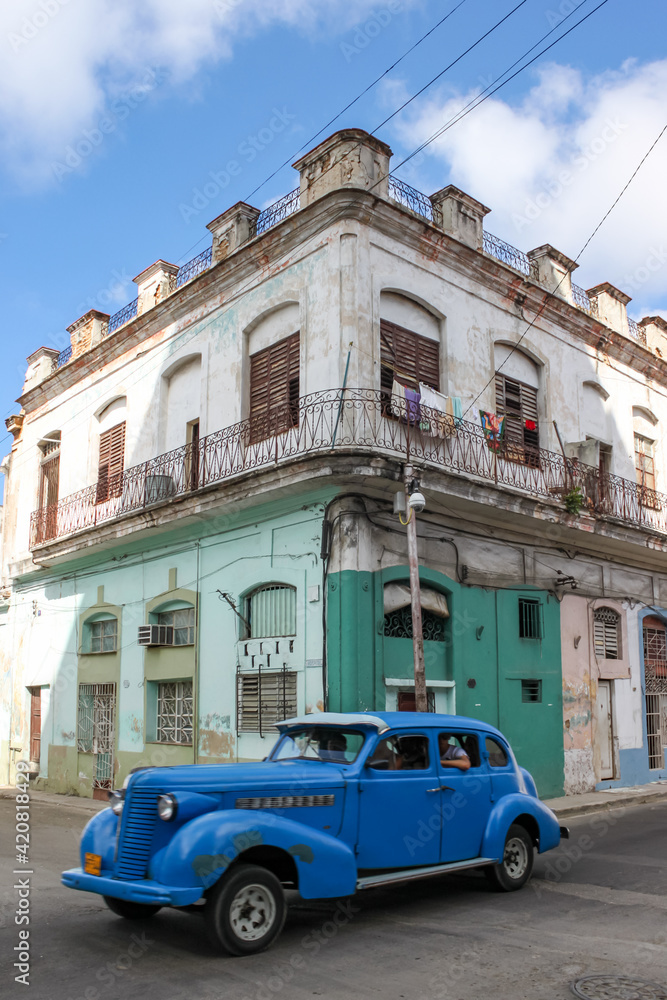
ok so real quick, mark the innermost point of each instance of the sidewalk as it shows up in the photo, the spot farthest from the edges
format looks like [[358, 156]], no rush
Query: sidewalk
[[566, 807]]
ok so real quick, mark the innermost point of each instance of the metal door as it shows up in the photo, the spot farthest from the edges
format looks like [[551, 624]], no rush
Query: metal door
[[605, 730]]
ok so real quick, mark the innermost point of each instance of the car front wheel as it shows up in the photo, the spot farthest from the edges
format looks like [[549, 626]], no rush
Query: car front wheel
[[517, 864], [129, 910], [245, 911]]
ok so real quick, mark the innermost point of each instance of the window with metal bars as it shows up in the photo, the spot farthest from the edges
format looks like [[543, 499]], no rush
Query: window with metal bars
[[530, 619], [517, 402], [111, 463], [607, 634], [174, 712], [655, 653], [531, 691], [274, 388], [270, 611], [265, 698], [182, 620], [95, 723], [407, 357]]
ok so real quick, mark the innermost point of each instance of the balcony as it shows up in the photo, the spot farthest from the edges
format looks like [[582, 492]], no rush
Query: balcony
[[349, 421]]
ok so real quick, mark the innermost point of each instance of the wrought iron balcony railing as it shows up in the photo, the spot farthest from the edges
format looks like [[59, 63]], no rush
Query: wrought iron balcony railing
[[352, 420], [62, 358], [123, 316], [280, 210], [410, 198], [507, 254], [200, 263]]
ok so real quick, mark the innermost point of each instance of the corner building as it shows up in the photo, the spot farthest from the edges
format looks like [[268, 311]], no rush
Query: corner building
[[199, 527]]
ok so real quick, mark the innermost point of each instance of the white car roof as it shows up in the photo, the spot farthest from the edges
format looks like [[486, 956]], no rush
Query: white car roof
[[336, 719]]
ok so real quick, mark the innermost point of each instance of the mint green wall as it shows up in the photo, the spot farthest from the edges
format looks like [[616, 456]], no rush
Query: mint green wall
[[482, 644]]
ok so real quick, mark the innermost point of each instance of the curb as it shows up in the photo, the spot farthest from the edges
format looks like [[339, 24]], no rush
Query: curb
[[573, 810], [79, 803]]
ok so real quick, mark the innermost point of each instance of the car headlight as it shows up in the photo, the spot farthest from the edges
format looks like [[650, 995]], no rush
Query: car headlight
[[116, 801], [167, 807]]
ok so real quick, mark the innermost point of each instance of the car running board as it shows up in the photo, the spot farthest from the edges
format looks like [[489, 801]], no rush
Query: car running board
[[410, 874]]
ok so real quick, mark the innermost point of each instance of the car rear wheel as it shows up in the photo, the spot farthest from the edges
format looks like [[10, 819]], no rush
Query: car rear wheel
[[129, 910], [517, 864], [245, 911]]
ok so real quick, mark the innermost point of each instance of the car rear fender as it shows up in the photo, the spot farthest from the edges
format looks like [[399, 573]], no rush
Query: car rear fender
[[530, 813], [202, 850]]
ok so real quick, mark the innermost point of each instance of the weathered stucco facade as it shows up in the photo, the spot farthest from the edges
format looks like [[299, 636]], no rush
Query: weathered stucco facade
[[221, 459]]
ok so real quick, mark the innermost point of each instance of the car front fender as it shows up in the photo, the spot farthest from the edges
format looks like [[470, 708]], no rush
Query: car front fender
[[201, 851], [509, 810], [99, 837]]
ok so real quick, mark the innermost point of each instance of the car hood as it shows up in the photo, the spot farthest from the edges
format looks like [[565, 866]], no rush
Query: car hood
[[291, 775]]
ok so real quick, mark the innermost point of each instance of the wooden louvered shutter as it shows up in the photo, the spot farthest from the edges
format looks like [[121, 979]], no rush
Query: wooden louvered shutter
[[518, 403], [264, 699], [606, 634], [111, 463], [274, 388], [408, 357]]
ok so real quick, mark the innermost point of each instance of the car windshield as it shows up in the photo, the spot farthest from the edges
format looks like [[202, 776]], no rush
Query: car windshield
[[341, 746]]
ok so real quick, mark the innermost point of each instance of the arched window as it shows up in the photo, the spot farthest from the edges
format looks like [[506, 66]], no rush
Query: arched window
[[100, 634], [270, 611], [516, 400], [607, 634], [111, 460], [398, 612]]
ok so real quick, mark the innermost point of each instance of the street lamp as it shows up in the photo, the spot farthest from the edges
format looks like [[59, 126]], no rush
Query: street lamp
[[415, 504]]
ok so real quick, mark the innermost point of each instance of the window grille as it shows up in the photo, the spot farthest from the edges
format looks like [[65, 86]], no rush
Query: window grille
[[398, 625], [264, 699], [111, 463], [274, 388], [103, 636], [530, 619], [531, 691], [607, 634], [95, 729], [407, 357], [407, 701], [655, 680], [271, 611], [182, 620], [518, 403], [174, 712]]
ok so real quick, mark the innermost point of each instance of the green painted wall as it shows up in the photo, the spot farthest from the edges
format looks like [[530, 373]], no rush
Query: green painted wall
[[482, 653]]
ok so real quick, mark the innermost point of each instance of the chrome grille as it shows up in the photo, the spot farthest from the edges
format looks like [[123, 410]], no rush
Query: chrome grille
[[139, 821]]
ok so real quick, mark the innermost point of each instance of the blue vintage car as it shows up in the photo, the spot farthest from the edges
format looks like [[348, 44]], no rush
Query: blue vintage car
[[342, 803]]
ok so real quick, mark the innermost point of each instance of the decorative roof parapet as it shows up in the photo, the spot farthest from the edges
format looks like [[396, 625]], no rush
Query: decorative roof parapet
[[553, 270], [233, 228], [460, 215], [611, 306], [87, 331], [155, 284], [351, 158], [40, 366], [654, 329]]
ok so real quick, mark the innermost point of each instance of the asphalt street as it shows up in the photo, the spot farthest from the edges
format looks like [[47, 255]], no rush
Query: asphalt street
[[596, 905]]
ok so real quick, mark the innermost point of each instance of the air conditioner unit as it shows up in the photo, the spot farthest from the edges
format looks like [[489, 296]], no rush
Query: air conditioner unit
[[156, 635], [159, 488]]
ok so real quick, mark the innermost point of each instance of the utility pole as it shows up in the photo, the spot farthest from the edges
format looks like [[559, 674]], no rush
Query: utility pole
[[421, 703]]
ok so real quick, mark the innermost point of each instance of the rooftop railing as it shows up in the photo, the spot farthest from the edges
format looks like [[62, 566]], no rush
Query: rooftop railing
[[62, 358], [200, 263], [636, 331], [506, 253], [280, 210], [363, 421], [123, 316], [410, 198], [583, 301]]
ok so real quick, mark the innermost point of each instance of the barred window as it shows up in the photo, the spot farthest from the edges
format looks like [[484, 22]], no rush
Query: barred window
[[517, 402], [182, 620], [174, 712], [95, 718], [530, 619], [408, 358], [274, 388], [607, 634], [264, 699], [270, 611]]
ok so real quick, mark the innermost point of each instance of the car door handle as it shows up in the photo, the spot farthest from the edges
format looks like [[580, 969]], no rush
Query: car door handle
[[441, 788]]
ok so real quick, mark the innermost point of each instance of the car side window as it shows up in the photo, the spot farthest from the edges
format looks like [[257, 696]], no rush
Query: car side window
[[497, 753], [401, 753], [450, 743]]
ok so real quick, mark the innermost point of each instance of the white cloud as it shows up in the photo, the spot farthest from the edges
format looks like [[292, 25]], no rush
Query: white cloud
[[552, 163], [64, 62]]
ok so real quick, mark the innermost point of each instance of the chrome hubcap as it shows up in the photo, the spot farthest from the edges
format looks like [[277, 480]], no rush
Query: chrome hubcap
[[252, 912], [515, 859]]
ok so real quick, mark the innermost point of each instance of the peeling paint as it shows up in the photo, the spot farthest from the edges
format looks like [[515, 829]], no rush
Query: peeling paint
[[216, 744]]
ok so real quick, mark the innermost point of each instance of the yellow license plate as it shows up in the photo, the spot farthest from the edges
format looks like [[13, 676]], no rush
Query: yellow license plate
[[93, 864]]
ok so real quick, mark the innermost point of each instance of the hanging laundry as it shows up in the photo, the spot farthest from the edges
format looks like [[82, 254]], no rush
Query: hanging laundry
[[398, 406], [457, 410], [493, 427], [412, 400], [438, 410]]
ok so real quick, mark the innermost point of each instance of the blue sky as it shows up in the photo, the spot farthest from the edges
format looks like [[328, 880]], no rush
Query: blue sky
[[118, 120]]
